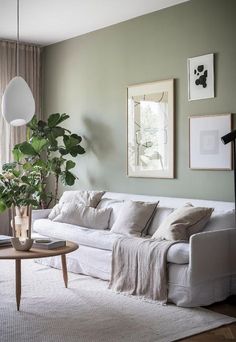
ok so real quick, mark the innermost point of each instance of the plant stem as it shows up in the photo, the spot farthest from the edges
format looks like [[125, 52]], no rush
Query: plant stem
[[56, 189]]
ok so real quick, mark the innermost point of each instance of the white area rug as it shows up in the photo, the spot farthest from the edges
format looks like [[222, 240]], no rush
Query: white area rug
[[88, 311]]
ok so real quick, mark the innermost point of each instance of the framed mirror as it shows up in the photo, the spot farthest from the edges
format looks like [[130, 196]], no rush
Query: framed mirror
[[150, 130]]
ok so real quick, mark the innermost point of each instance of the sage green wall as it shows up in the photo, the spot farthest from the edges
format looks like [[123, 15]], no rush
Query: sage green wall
[[87, 76]]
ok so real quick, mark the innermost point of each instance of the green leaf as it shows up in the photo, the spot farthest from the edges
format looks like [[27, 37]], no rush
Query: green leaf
[[69, 178], [16, 173], [62, 118], [25, 179], [41, 125], [53, 120], [52, 148], [57, 132], [63, 151], [33, 123], [3, 206], [17, 154], [75, 150], [56, 119], [27, 149], [27, 166], [9, 166], [70, 141], [70, 165], [51, 138], [38, 144], [40, 163], [77, 137]]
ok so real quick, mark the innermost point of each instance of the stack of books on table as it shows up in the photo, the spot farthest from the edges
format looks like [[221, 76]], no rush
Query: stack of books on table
[[48, 243], [5, 241]]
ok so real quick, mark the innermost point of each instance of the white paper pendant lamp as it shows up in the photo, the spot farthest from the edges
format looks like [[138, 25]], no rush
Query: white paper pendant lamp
[[18, 105]]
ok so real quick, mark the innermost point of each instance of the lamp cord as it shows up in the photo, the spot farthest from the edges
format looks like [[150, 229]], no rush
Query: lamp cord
[[18, 38]]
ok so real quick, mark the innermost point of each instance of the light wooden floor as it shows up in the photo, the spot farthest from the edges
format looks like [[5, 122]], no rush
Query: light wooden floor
[[225, 333]]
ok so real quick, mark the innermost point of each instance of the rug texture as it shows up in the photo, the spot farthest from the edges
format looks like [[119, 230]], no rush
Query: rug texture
[[88, 311]]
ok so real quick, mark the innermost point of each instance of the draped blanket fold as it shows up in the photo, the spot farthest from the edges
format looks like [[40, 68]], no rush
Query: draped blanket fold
[[139, 267]]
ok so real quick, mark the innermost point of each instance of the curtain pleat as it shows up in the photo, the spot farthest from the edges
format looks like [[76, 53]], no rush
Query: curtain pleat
[[30, 70]]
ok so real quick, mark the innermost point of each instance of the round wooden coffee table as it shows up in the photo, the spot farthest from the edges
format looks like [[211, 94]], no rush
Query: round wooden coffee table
[[9, 253]]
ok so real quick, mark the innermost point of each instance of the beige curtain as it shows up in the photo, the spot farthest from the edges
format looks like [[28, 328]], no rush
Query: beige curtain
[[30, 70]]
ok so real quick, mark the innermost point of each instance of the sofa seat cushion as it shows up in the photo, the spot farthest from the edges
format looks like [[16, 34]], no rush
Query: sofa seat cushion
[[101, 239], [178, 253]]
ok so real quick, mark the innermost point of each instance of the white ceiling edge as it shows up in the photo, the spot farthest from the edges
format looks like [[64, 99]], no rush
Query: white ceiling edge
[[46, 22]]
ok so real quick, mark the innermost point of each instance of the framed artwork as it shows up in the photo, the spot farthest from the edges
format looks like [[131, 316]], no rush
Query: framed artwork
[[201, 77], [150, 130], [206, 150]]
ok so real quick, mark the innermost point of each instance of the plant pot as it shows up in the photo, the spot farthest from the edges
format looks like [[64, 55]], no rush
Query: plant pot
[[21, 227], [21, 245]]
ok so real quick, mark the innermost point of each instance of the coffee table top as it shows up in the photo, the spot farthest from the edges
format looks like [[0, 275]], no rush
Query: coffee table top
[[33, 253]]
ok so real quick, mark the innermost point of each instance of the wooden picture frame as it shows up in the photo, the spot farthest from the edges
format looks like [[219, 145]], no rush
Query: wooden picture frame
[[206, 150], [150, 130]]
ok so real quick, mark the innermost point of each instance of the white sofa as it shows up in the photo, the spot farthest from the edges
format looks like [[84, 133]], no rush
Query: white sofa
[[201, 272]]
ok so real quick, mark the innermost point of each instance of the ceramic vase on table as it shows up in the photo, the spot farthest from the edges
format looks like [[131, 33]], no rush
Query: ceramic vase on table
[[21, 227]]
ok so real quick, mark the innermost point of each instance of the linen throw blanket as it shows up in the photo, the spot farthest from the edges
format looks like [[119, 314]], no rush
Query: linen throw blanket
[[139, 267]]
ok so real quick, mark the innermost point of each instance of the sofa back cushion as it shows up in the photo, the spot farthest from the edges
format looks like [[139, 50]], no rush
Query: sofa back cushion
[[183, 222], [77, 214], [56, 210], [221, 220], [134, 218], [115, 205], [84, 197]]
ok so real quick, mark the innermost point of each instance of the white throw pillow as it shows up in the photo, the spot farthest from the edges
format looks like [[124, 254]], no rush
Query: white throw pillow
[[114, 204], [134, 218], [80, 215], [83, 197], [159, 216], [87, 198], [56, 210], [183, 223]]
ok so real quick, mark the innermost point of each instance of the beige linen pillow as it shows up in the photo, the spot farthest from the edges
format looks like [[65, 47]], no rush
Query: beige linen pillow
[[80, 215], [134, 218], [183, 223]]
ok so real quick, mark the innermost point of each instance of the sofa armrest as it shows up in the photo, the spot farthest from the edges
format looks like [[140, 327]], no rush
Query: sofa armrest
[[212, 255], [40, 214]]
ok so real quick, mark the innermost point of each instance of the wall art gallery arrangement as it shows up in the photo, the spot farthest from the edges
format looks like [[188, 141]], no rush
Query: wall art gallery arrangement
[[150, 125]]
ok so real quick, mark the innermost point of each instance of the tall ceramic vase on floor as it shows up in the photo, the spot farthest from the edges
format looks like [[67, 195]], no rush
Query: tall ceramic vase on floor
[[21, 227]]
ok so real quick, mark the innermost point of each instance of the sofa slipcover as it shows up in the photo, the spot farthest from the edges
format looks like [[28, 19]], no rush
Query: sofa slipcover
[[200, 272]]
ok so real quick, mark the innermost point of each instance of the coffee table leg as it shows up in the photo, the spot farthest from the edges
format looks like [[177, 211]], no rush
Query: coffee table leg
[[18, 283], [64, 269]]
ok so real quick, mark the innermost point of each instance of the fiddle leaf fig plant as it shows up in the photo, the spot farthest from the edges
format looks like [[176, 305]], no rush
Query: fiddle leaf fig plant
[[45, 154]]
